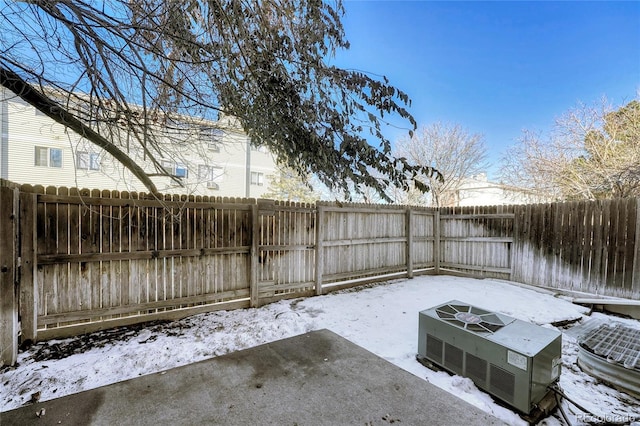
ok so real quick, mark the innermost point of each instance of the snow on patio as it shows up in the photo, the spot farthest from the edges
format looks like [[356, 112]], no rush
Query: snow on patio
[[381, 318]]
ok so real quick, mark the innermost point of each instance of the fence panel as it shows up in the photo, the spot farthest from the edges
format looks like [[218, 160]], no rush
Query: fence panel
[[286, 250], [119, 257], [476, 240], [423, 247], [587, 246], [363, 241]]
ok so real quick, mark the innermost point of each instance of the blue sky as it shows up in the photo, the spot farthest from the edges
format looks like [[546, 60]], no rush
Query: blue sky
[[497, 67]]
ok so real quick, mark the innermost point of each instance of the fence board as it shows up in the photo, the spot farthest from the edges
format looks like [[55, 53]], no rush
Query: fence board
[[595, 270], [587, 247], [613, 258], [607, 246], [629, 247], [8, 265], [28, 244]]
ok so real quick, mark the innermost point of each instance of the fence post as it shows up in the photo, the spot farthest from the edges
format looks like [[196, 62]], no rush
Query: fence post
[[436, 242], [319, 247], [8, 258], [636, 253], [254, 261], [409, 233], [28, 275], [515, 232]]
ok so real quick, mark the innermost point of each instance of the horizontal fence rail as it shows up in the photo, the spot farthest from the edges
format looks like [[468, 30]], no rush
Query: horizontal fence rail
[[84, 260]]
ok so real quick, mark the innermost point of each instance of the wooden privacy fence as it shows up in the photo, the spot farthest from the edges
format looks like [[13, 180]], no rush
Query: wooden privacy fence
[[579, 246], [75, 261], [586, 246]]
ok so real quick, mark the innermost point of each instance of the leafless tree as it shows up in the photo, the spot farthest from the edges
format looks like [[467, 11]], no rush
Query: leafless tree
[[592, 152], [449, 148]]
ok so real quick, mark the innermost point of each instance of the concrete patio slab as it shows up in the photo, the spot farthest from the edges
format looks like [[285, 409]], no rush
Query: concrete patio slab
[[318, 378]]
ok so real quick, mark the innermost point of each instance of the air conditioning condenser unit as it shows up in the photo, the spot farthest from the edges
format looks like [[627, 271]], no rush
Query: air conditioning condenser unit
[[513, 360]]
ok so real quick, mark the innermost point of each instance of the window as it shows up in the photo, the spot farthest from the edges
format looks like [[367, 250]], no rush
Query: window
[[55, 157], [211, 175], [257, 178], [167, 166], [87, 161], [48, 157], [212, 137], [42, 155], [181, 170], [82, 160], [94, 161], [213, 146], [174, 169]]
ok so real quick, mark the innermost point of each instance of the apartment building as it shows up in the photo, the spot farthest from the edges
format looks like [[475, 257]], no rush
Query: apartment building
[[479, 191], [213, 159]]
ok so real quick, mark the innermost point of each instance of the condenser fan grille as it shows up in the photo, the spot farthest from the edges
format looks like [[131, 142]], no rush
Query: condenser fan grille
[[470, 318]]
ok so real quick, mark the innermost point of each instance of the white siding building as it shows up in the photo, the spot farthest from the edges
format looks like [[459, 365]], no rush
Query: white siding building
[[36, 150], [479, 191]]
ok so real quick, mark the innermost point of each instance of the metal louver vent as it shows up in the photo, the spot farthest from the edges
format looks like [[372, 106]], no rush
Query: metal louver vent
[[502, 382], [434, 348], [453, 358], [476, 368], [470, 318]]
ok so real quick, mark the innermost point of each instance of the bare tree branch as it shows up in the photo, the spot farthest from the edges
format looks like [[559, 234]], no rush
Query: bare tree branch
[[13, 82], [449, 148], [264, 63], [593, 152]]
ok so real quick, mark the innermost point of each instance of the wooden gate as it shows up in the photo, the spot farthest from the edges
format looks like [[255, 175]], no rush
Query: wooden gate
[[287, 250]]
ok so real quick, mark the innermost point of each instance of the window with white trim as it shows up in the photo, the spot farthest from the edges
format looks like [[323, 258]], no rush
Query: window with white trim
[[181, 171], [210, 175], [212, 137], [94, 161], [87, 160], [175, 169], [257, 178], [48, 157], [167, 166]]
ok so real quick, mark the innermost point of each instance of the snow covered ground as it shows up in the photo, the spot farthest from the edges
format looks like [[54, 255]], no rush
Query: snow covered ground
[[381, 318]]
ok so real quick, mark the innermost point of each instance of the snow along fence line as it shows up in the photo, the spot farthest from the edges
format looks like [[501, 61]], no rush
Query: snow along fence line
[[85, 260]]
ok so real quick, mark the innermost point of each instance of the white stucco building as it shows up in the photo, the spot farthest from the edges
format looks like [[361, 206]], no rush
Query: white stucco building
[[36, 150]]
